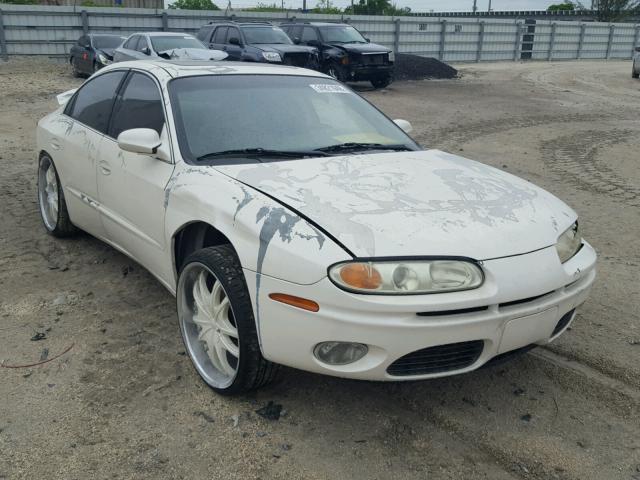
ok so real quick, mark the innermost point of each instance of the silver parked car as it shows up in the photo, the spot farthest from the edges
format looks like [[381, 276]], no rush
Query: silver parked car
[[164, 45], [635, 68]]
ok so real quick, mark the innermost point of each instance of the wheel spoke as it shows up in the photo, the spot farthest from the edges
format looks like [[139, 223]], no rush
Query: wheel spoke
[[224, 361], [50, 176], [201, 295], [229, 346]]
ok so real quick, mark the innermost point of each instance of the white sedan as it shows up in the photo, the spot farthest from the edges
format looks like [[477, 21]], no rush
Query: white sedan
[[298, 225]]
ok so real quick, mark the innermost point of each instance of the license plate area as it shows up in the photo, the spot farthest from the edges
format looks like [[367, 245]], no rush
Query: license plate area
[[522, 331]]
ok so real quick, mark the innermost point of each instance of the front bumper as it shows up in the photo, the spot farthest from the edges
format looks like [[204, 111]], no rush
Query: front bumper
[[367, 72], [521, 302]]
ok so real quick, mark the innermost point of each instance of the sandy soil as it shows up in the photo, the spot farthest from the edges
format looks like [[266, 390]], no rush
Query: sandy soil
[[124, 402]]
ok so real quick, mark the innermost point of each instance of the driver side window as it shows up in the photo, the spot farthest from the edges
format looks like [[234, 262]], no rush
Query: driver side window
[[142, 45], [309, 34], [139, 106]]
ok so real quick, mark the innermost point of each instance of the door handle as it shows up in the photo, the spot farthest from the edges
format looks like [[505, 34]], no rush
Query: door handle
[[104, 168]]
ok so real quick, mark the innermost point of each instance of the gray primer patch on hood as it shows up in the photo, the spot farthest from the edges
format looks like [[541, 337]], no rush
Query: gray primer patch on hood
[[276, 220]]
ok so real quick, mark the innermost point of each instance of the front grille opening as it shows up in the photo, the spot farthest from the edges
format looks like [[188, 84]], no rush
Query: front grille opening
[[563, 322], [438, 359], [524, 300], [507, 356], [452, 312]]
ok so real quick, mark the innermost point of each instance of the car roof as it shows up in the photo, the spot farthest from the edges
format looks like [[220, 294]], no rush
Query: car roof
[[162, 34], [238, 24], [316, 24], [168, 69]]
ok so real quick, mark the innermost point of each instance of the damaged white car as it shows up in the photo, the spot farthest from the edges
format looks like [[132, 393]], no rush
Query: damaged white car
[[298, 225]]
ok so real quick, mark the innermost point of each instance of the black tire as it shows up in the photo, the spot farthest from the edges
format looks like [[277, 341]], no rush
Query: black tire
[[336, 71], [63, 226], [634, 74], [253, 370], [380, 82], [74, 70], [96, 67]]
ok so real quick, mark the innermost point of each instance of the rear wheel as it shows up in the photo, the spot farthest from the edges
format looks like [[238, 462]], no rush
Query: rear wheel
[[74, 69], [53, 206], [635, 72], [380, 82], [217, 323]]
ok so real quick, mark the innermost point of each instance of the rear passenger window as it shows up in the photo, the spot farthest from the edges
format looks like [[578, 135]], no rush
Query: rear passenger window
[[92, 104], [140, 106], [220, 36]]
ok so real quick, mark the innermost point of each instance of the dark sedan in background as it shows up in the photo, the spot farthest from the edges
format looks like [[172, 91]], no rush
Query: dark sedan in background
[[92, 52]]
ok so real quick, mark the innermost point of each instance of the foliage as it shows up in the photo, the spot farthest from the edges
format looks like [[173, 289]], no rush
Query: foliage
[[21, 2], [566, 6], [376, 7], [263, 7], [326, 6], [194, 5], [613, 10]]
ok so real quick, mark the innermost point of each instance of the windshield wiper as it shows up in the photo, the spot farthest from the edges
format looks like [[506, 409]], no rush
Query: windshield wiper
[[263, 152], [362, 146]]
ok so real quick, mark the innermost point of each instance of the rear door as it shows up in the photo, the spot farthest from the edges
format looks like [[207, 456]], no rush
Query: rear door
[[130, 185], [218, 38], [88, 115]]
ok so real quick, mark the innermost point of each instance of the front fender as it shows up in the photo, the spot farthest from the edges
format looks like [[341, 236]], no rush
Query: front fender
[[269, 238]]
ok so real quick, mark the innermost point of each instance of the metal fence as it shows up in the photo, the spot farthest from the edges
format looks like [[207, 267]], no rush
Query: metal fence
[[50, 31]]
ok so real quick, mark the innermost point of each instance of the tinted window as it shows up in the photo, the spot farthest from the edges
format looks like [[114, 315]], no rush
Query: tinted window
[[220, 36], [341, 34], [140, 106], [106, 41], [233, 33], [258, 35], [92, 104], [132, 42], [309, 34]]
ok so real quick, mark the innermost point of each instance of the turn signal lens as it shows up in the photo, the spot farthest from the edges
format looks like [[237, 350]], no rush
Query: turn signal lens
[[361, 276], [299, 302], [345, 60], [389, 277]]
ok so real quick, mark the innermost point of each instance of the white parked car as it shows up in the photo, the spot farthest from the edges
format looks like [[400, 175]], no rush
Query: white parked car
[[165, 45], [298, 225]]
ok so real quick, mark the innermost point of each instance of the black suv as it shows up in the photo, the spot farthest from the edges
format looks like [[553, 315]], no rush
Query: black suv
[[257, 42], [344, 53]]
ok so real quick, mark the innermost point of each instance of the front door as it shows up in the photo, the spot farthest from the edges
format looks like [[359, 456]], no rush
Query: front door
[[130, 185]]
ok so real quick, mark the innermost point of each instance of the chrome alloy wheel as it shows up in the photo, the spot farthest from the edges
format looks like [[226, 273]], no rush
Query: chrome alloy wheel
[[48, 195], [208, 325]]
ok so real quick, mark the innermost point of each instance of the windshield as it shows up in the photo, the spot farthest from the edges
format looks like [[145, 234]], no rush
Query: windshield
[[217, 113], [160, 44], [107, 41], [341, 34], [257, 35]]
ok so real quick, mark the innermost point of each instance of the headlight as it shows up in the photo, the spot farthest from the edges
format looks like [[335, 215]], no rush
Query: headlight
[[103, 59], [392, 56], [569, 243], [271, 56], [407, 277]]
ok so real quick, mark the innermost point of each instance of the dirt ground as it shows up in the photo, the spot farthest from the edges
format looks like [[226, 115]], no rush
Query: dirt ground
[[124, 401]]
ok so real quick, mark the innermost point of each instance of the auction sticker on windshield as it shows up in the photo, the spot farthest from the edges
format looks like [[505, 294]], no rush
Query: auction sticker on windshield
[[329, 88]]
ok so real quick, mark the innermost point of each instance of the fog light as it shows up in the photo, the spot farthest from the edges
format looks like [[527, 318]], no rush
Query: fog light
[[340, 353]]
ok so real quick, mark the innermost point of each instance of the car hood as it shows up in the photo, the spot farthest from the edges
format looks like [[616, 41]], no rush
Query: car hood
[[361, 47], [193, 54], [414, 203], [283, 48]]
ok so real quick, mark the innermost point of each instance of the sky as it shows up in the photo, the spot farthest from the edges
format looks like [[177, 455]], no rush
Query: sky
[[419, 5]]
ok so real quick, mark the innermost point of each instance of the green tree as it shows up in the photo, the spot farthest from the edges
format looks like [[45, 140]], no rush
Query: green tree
[[561, 6], [327, 6], [194, 5], [613, 10], [376, 7], [263, 7]]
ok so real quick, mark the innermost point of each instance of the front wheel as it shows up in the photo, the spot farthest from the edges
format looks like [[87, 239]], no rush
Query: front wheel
[[53, 206], [76, 73], [634, 72], [381, 82], [217, 323], [337, 71]]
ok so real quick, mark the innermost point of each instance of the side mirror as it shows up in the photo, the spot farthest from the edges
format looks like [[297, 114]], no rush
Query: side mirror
[[139, 140], [235, 41], [368, 40], [404, 125], [146, 51], [637, 49], [296, 40]]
